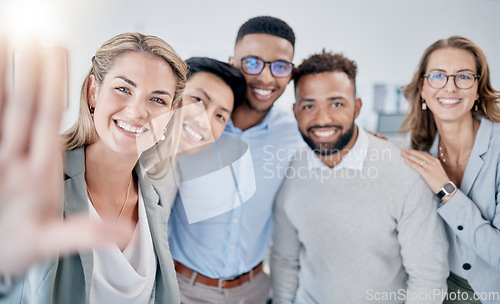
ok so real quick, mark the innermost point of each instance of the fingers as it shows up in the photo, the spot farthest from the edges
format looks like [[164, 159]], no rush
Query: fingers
[[427, 166], [31, 121], [79, 233], [45, 144], [3, 74], [378, 135], [419, 167], [31, 179], [19, 111], [416, 158], [29, 242], [45, 140], [419, 161]]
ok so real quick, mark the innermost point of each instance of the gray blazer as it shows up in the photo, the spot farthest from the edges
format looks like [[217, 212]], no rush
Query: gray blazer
[[68, 279], [472, 215]]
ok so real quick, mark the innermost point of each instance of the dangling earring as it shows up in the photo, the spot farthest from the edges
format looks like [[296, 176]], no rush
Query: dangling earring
[[91, 108], [163, 134], [476, 104], [424, 105]]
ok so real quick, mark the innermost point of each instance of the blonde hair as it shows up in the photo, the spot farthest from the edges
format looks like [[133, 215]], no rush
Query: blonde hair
[[83, 132], [421, 123]]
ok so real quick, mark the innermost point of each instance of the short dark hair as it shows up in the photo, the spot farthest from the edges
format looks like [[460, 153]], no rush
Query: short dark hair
[[229, 74], [267, 25], [326, 62]]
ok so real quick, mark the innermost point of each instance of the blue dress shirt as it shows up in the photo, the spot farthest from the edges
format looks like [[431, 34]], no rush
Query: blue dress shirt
[[229, 244]]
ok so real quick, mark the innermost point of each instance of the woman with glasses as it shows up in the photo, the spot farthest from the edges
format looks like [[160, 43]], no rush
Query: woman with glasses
[[455, 136]]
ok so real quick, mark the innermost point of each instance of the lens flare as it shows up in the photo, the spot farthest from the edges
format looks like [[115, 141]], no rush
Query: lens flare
[[27, 19]]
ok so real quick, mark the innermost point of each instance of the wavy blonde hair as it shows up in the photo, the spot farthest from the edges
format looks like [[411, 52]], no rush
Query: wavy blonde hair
[[160, 157], [421, 123]]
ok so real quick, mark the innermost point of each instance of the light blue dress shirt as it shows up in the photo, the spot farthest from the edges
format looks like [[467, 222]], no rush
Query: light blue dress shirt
[[232, 243]]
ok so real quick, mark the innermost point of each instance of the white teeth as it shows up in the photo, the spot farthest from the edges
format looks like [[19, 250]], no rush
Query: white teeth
[[448, 101], [324, 133], [263, 92], [192, 132], [130, 128]]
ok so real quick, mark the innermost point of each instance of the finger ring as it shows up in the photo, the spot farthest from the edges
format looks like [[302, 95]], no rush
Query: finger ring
[[422, 164]]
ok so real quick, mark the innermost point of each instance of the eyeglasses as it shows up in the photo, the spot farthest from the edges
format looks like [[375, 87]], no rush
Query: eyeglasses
[[462, 81], [254, 66]]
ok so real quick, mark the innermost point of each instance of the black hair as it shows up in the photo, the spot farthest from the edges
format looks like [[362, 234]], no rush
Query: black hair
[[229, 74], [326, 62], [267, 25]]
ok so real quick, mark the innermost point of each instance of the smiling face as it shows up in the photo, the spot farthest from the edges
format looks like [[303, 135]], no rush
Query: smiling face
[[450, 103], [133, 103], [263, 89], [208, 103], [325, 109]]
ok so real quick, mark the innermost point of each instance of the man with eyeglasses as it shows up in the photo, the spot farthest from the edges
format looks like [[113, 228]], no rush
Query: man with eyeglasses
[[219, 260]]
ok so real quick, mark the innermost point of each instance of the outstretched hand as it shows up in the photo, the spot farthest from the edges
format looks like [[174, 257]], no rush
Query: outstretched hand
[[31, 224]]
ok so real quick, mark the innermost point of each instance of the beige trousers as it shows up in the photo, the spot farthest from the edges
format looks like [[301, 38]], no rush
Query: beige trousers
[[255, 291]]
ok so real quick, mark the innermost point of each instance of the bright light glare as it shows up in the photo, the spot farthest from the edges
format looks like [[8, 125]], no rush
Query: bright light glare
[[25, 19]]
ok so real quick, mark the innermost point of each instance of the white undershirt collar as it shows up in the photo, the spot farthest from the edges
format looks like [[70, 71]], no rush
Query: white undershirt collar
[[128, 276]]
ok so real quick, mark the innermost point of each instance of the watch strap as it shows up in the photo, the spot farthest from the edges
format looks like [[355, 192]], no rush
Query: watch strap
[[444, 192], [441, 194]]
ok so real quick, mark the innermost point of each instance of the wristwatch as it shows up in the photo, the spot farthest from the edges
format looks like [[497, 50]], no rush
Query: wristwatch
[[448, 189]]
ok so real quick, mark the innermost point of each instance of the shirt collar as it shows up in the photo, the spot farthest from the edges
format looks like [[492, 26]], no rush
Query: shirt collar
[[266, 123], [354, 159]]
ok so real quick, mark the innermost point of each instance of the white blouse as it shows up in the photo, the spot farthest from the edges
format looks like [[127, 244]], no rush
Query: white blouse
[[128, 276]]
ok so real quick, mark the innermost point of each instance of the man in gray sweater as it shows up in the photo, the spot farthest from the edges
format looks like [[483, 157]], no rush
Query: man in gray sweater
[[352, 223]]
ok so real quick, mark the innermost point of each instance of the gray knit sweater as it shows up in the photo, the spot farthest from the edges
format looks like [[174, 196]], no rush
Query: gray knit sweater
[[350, 236]]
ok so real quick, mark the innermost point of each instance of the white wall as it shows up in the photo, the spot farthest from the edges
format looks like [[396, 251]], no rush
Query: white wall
[[385, 37]]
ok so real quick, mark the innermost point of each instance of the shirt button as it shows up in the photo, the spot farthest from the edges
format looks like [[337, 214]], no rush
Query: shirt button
[[460, 227], [232, 246], [235, 220], [466, 266]]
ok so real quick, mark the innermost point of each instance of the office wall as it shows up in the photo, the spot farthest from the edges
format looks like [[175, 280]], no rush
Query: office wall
[[385, 37]]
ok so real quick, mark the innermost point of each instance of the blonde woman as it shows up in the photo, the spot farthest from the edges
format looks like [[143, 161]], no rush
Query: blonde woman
[[127, 107], [456, 149]]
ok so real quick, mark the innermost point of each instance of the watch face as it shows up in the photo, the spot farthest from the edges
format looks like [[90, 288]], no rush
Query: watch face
[[449, 188]]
